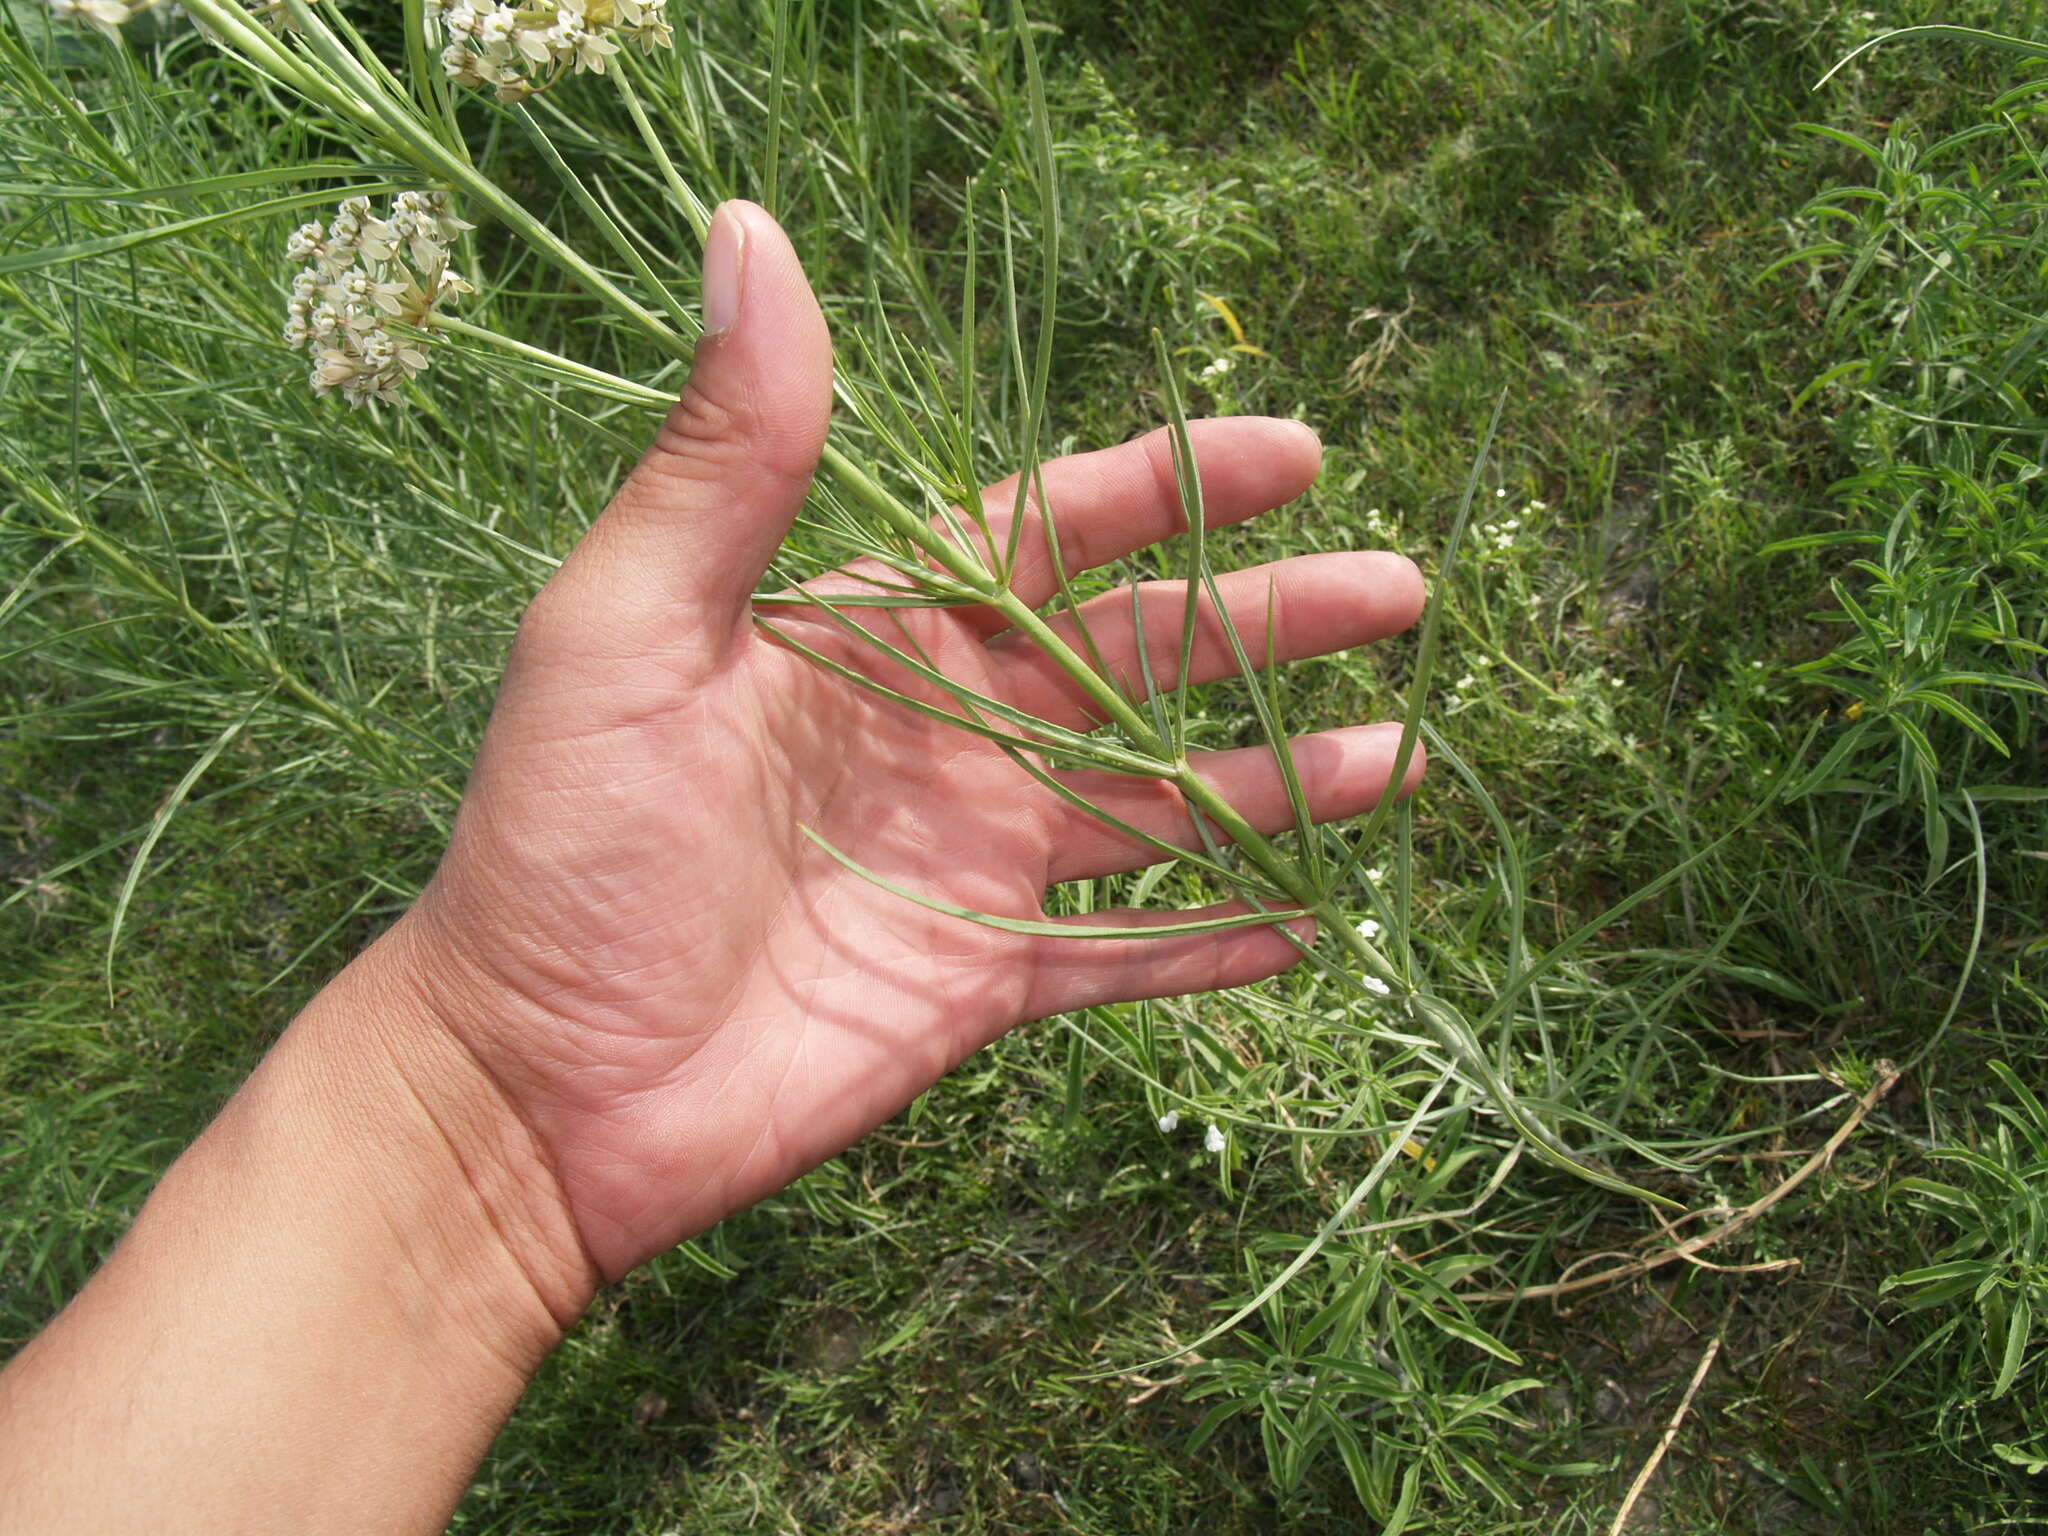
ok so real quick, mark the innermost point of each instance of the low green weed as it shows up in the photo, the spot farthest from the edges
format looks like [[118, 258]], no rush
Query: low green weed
[[1996, 1266], [1945, 610], [1930, 269]]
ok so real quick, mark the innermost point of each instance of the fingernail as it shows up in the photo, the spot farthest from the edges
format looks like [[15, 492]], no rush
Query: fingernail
[[725, 254]]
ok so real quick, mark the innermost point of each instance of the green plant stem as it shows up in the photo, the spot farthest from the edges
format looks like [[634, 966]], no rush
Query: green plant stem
[[601, 217], [692, 206], [860, 486], [608, 383]]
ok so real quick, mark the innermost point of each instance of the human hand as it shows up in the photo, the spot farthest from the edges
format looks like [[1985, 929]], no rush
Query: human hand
[[684, 1003]]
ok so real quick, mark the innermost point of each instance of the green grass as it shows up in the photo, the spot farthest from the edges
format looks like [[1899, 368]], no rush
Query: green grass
[[1585, 209]]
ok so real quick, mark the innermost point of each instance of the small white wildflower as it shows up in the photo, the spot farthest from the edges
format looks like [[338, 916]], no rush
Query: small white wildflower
[[307, 243], [1169, 1122], [1212, 1139], [585, 47], [494, 28], [1465, 682], [1374, 985], [1217, 369], [536, 45], [1375, 874], [1369, 928], [1500, 493], [652, 31]]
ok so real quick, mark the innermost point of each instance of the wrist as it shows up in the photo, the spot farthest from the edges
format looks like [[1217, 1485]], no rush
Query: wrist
[[440, 1149], [324, 1312]]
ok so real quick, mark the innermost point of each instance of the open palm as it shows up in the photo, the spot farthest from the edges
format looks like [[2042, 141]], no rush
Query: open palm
[[685, 999]]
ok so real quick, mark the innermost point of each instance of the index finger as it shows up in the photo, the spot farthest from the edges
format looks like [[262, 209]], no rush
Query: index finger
[[1114, 501]]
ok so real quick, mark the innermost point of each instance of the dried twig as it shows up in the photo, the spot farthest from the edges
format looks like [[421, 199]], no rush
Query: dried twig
[[1152, 1388], [1887, 1078], [1635, 1489]]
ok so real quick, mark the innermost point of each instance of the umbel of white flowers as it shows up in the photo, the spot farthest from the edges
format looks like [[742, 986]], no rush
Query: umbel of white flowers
[[518, 50], [362, 275]]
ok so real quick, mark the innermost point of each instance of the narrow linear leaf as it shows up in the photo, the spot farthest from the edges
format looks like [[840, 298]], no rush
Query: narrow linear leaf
[[1040, 928], [160, 823], [81, 250]]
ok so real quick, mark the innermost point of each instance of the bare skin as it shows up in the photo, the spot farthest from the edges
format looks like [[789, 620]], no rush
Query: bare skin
[[635, 997]]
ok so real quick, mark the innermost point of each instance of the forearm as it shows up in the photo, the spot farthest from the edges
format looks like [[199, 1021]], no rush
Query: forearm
[[325, 1310]]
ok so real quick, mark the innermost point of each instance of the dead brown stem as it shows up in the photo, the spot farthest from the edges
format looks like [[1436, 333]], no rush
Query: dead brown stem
[[1887, 1078]]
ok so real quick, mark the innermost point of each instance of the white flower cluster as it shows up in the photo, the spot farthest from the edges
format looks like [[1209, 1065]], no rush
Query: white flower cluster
[[108, 15], [1504, 535], [518, 50], [361, 275]]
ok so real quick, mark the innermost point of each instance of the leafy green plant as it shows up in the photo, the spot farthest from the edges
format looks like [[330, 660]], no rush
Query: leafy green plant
[[1348, 1360], [1991, 1280], [1145, 231], [1946, 626], [1931, 275]]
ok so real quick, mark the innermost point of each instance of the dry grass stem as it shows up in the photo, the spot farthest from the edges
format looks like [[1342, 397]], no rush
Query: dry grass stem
[[1887, 1078], [1642, 1478]]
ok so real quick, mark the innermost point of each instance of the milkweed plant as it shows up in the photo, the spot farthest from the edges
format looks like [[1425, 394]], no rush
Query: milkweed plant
[[396, 269]]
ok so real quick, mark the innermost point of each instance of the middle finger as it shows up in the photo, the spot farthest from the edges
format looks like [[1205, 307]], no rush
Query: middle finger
[[1309, 605]]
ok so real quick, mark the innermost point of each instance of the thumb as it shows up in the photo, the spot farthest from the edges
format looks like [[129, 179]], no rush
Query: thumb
[[697, 521]]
